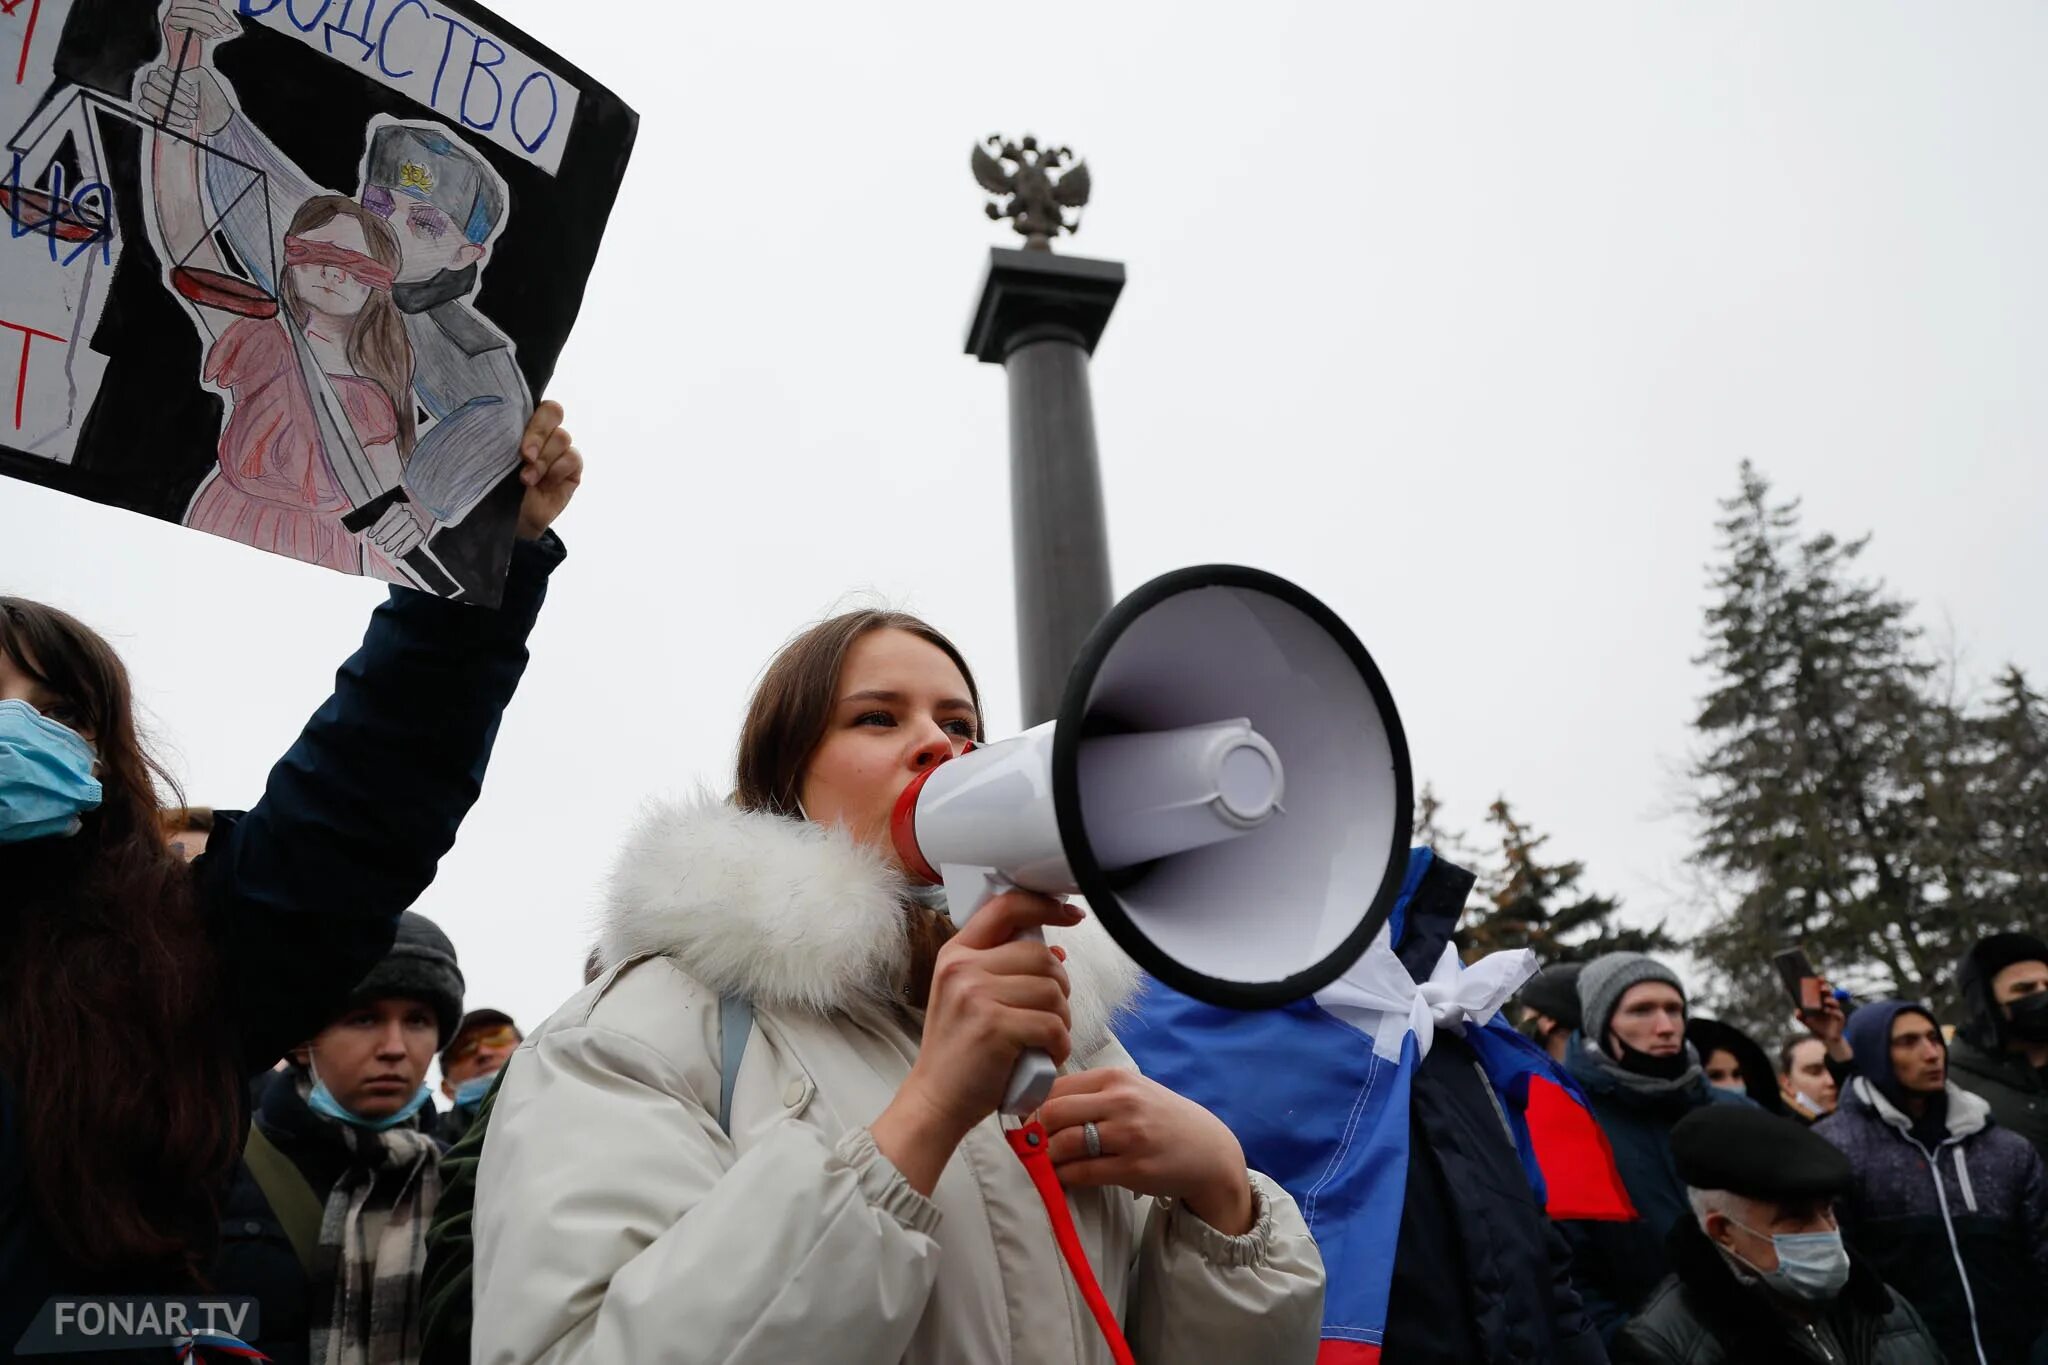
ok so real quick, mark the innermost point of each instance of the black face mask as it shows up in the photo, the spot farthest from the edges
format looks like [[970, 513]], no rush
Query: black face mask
[[2027, 1018], [1648, 1064]]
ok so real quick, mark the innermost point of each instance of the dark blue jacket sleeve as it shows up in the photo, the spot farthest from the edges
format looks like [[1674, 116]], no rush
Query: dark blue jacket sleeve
[[1589, 1266], [304, 892], [1576, 1338]]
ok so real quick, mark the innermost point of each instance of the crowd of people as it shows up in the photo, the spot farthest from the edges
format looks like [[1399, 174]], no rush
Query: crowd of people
[[768, 1128], [1877, 1196]]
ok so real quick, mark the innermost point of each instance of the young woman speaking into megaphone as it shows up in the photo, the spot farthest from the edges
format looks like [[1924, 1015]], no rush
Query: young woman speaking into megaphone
[[846, 1190]]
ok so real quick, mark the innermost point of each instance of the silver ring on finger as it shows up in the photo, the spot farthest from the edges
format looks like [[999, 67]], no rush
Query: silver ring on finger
[[1092, 1136]]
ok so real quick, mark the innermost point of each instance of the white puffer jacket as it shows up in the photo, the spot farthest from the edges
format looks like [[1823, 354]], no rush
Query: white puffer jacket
[[616, 1223]]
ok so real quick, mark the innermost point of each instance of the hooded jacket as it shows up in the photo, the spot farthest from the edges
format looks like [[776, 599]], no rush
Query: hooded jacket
[[1616, 1265], [1978, 1060], [615, 1221], [1759, 1077], [1703, 1315], [1960, 1229]]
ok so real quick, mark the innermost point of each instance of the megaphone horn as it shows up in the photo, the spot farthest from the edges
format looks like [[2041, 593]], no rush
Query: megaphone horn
[[1226, 781]]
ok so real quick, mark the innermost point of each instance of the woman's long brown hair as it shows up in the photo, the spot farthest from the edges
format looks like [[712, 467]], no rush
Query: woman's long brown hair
[[111, 1031], [790, 710], [377, 344]]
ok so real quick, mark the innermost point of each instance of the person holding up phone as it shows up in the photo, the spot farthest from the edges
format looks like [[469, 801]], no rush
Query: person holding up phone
[[1802, 983], [1822, 1011]]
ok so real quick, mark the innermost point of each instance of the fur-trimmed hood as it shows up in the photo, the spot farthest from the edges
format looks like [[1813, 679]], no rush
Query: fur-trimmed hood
[[797, 916]]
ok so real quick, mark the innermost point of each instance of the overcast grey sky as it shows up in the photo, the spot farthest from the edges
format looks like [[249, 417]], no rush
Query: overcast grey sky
[[1460, 315]]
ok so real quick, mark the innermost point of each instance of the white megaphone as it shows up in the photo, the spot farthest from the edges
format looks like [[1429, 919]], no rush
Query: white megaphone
[[1226, 782]]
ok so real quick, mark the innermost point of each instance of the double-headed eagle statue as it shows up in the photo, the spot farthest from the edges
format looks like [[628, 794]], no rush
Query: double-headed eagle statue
[[1035, 186]]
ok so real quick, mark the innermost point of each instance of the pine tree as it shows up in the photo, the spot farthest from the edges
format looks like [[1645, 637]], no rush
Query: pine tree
[[1429, 831], [1432, 833], [1532, 903], [1830, 780], [2010, 805]]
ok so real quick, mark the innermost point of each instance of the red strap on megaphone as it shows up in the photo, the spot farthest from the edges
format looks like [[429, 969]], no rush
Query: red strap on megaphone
[[1030, 1143]]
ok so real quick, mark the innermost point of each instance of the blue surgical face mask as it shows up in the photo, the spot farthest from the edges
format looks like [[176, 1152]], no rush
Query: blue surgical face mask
[[323, 1103], [46, 779], [1813, 1266], [473, 1090]]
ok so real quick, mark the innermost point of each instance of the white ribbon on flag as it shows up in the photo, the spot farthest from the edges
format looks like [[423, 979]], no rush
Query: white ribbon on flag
[[1378, 997]]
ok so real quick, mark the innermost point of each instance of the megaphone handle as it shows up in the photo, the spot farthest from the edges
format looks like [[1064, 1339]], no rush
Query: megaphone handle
[[1032, 1077]]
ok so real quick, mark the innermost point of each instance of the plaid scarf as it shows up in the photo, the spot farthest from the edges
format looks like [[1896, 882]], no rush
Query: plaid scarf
[[373, 1245]]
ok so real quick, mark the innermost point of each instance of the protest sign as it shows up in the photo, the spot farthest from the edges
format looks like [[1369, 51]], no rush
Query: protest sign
[[292, 271]]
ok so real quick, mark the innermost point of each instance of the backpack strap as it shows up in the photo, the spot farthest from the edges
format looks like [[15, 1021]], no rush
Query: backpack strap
[[735, 1022], [290, 1194]]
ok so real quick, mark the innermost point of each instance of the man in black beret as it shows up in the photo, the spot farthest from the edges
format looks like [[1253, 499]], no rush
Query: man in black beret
[[1760, 1270], [2001, 1050]]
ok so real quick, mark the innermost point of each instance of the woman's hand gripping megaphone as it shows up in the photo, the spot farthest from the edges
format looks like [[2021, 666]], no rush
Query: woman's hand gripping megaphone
[[998, 994], [1023, 844], [972, 893]]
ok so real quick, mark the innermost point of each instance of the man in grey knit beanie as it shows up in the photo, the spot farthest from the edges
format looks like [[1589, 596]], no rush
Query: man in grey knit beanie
[[1640, 1078], [1606, 980]]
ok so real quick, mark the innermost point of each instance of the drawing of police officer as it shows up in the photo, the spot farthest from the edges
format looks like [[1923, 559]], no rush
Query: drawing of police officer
[[445, 205]]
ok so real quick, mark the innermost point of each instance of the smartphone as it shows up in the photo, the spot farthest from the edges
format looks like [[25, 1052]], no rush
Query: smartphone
[[1802, 983]]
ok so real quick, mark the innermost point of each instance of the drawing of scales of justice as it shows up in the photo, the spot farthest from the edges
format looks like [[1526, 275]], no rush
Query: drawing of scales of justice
[[56, 188]]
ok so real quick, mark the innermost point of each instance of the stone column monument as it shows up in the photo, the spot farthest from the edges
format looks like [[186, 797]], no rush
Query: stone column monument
[[1039, 317]]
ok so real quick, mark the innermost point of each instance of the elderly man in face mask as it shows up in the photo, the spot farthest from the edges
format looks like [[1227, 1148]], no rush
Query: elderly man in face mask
[[1760, 1272]]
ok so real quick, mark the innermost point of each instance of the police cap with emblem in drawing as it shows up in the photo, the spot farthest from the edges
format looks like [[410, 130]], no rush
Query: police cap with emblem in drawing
[[428, 165]]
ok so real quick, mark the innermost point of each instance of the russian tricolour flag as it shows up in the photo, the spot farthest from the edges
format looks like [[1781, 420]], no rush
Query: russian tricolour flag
[[1324, 1111]]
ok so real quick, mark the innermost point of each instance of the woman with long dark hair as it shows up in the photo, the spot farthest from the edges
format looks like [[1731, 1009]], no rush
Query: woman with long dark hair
[[138, 992], [845, 1189]]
